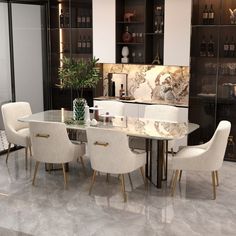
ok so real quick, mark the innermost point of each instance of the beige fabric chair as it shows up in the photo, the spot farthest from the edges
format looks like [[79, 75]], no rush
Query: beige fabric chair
[[110, 153], [163, 113], [51, 144], [17, 132], [205, 157], [115, 108]]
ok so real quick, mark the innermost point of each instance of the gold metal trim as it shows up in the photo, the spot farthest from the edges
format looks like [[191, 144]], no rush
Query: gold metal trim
[[42, 135], [213, 184], [101, 144]]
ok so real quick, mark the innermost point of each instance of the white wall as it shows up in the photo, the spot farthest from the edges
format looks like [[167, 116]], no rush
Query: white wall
[[28, 54], [5, 74], [177, 32], [104, 30]]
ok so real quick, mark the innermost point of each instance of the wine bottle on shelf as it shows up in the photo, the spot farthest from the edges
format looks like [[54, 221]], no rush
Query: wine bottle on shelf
[[127, 36], [62, 19], [79, 20], [88, 45], [226, 47], [232, 47], [205, 15], [79, 45], [113, 89], [88, 20], [67, 18], [211, 47], [122, 91], [203, 47], [133, 57], [83, 20], [211, 15], [84, 45]]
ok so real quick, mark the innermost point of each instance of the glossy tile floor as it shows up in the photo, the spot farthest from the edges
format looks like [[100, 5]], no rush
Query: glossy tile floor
[[49, 209]]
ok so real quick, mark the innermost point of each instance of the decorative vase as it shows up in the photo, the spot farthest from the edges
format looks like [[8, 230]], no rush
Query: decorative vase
[[79, 109], [125, 53]]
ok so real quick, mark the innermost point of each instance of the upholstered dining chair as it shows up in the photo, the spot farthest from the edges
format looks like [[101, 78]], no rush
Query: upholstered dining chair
[[204, 157], [164, 113], [115, 108], [17, 132], [51, 144], [109, 152]]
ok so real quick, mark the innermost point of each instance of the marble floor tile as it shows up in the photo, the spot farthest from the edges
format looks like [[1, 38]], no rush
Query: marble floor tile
[[49, 209]]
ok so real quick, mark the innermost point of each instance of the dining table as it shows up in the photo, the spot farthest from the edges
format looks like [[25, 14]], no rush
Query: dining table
[[156, 133]]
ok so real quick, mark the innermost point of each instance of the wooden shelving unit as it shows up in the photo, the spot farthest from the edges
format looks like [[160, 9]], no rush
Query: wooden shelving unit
[[71, 36], [146, 27]]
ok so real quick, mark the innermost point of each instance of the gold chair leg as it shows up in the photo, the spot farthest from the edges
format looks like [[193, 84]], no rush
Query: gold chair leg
[[64, 173], [174, 182], [30, 149], [180, 175], [217, 178], [82, 163], [172, 179], [123, 187], [8, 151], [26, 158], [92, 182], [130, 180], [35, 171], [144, 179], [213, 184]]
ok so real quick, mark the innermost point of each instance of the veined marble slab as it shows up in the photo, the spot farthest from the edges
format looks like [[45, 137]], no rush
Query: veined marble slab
[[153, 83]]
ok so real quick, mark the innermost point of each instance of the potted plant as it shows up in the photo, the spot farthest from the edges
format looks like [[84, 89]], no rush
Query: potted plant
[[77, 75]]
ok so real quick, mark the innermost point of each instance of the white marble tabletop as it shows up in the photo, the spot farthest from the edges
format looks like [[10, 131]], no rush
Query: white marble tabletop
[[139, 127]]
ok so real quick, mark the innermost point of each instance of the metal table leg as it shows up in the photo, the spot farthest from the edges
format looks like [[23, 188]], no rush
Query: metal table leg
[[155, 149]]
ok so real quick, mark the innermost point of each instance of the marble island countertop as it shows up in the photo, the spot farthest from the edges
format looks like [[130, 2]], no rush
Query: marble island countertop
[[140, 101]]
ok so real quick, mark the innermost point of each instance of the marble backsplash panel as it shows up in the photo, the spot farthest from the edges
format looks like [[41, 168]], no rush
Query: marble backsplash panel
[[153, 83]]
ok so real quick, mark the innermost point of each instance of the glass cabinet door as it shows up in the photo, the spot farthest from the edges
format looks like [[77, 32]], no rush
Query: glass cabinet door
[[71, 37], [213, 70], [5, 73]]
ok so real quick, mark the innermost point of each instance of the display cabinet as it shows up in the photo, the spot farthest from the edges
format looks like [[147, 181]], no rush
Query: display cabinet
[[70, 36], [213, 70], [139, 31]]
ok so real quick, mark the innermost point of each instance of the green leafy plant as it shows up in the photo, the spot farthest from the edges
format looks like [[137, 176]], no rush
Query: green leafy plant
[[78, 74]]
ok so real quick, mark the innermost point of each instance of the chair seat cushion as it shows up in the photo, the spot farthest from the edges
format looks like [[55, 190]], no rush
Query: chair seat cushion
[[22, 138], [189, 158]]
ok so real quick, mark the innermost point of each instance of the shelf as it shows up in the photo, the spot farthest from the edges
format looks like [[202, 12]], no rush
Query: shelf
[[123, 43], [206, 26], [154, 34], [131, 22], [147, 20], [198, 57], [75, 28]]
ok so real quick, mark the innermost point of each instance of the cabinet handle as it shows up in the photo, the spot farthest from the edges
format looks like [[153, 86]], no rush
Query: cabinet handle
[[42, 135], [101, 144]]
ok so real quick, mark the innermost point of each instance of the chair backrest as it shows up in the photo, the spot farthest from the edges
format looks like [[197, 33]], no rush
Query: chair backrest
[[109, 151], [10, 113], [50, 142], [217, 146], [114, 108], [162, 113]]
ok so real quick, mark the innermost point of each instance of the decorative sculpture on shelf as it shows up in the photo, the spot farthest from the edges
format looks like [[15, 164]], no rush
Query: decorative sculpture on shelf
[[128, 15], [125, 53], [232, 16]]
